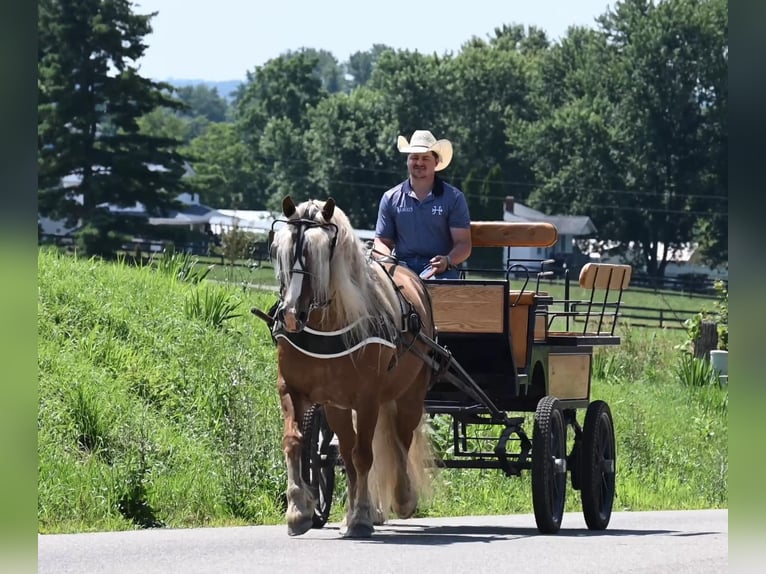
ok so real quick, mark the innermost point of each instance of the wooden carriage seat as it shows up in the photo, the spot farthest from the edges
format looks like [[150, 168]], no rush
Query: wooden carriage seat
[[602, 311], [605, 276], [513, 234], [518, 234]]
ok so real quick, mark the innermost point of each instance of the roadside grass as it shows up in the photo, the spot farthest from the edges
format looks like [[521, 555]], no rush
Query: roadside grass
[[152, 415]]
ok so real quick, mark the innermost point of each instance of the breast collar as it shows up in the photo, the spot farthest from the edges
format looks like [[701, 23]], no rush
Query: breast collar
[[332, 344]]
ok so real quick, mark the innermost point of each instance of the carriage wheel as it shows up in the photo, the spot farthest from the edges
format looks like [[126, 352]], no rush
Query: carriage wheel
[[549, 467], [318, 462], [598, 463]]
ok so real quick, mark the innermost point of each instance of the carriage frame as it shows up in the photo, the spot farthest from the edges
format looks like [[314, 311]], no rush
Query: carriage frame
[[500, 354]]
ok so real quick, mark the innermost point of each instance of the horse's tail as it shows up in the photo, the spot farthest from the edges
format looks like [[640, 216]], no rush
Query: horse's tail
[[383, 474]]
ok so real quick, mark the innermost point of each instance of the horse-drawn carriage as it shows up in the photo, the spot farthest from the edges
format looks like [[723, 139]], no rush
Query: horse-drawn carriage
[[477, 350]]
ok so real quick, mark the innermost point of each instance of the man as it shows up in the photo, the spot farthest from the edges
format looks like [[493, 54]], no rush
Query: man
[[424, 221]]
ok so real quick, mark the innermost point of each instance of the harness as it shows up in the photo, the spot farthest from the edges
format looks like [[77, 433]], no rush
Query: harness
[[331, 344]]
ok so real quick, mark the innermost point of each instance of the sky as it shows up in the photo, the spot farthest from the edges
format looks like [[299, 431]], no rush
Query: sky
[[217, 40]]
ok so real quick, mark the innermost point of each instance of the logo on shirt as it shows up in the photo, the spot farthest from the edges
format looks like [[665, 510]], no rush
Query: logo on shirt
[[437, 210], [404, 209]]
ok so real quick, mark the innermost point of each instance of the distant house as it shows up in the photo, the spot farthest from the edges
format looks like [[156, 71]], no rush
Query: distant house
[[257, 221], [564, 252], [683, 261], [193, 214]]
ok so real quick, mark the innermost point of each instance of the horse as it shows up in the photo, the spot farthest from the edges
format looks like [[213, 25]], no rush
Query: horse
[[347, 331]]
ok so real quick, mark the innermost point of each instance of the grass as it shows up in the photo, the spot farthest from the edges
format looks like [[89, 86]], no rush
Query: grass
[[152, 414]]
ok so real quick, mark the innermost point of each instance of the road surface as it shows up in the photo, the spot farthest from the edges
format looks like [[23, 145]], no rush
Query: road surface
[[678, 542]]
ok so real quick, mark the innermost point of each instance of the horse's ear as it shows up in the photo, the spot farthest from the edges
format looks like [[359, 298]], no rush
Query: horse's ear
[[328, 209], [288, 206]]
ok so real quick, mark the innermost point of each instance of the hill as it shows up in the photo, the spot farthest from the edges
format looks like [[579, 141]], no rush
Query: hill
[[158, 407]]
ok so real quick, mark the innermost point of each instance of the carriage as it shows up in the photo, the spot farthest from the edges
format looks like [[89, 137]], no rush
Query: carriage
[[504, 353]]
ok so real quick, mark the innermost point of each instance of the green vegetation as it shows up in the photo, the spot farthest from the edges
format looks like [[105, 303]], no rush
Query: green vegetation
[[153, 414]]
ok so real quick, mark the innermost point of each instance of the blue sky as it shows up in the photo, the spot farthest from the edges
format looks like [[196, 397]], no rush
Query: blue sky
[[219, 40]]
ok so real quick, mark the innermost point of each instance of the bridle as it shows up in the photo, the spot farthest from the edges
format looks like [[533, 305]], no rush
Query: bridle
[[301, 225]]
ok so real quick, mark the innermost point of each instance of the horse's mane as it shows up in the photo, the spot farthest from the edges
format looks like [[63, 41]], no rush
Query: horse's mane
[[356, 288]]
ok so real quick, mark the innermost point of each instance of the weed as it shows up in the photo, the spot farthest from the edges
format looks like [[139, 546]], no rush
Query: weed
[[694, 372], [211, 305], [180, 266]]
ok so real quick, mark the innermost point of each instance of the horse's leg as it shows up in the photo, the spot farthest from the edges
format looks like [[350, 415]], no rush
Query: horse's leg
[[300, 502], [342, 425], [359, 524]]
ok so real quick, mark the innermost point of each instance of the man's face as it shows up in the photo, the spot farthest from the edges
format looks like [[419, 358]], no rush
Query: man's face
[[421, 165]]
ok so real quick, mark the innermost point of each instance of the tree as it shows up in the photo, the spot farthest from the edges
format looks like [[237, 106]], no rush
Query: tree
[[204, 101], [224, 169], [629, 125], [478, 118], [361, 64], [272, 116], [90, 100], [352, 152], [672, 59]]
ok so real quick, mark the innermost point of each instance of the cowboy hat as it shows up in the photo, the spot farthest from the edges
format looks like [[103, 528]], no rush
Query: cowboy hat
[[423, 141]]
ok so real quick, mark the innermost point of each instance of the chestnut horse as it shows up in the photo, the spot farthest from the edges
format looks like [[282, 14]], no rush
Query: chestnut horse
[[346, 329]]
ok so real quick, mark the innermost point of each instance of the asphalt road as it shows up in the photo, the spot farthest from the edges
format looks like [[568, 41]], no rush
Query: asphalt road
[[651, 542]]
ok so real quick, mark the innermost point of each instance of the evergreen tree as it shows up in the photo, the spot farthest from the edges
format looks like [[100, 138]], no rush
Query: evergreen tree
[[90, 98]]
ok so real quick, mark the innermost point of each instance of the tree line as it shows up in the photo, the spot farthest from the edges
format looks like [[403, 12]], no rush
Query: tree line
[[626, 122]]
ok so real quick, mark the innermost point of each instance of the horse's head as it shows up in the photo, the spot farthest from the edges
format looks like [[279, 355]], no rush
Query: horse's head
[[302, 250]]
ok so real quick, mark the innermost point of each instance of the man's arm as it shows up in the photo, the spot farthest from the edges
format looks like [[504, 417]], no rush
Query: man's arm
[[461, 250], [461, 245], [383, 246]]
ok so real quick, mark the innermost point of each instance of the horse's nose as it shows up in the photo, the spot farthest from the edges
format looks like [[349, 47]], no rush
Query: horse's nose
[[295, 320]]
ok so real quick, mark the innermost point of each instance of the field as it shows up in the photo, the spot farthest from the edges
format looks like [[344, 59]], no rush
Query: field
[[157, 407]]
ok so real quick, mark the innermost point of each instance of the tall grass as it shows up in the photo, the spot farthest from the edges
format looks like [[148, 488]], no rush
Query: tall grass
[[151, 414]]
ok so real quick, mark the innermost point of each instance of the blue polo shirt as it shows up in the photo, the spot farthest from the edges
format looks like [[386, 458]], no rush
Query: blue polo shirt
[[421, 230]]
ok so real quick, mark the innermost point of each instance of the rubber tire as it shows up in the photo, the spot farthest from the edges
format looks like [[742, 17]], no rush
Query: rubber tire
[[598, 466], [318, 458], [549, 484]]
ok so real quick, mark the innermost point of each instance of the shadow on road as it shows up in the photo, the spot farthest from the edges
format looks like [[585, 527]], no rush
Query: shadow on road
[[422, 535]]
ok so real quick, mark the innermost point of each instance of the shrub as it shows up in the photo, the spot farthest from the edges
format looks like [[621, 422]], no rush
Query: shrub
[[719, 314]]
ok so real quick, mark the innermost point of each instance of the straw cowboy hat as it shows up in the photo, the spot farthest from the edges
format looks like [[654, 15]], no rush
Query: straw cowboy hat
[[424, 141]]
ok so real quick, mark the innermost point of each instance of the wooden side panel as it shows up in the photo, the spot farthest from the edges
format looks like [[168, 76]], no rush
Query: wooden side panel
[[468, 308], [605, 276], [569, 376], [513, 234], [519, 333], [541, 327]]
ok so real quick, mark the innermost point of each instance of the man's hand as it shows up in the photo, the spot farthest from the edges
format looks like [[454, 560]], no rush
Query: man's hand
[[440, 263]]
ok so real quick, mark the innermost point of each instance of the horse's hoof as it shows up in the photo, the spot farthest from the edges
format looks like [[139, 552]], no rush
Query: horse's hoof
[[299, 527], [378, 517], [358, 531]]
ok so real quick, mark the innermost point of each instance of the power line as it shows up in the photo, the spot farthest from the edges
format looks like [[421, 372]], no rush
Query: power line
[[506, 182]]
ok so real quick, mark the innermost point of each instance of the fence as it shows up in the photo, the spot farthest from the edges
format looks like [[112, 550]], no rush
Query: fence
[[650, 317]]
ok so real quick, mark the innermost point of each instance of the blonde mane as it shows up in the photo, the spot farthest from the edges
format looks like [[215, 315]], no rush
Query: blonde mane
[[355, 288]]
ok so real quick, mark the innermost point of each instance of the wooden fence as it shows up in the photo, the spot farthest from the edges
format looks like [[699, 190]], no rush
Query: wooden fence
[[649, 317]]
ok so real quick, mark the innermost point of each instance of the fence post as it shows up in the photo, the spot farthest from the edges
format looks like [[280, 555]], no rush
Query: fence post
[[707, 340]]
